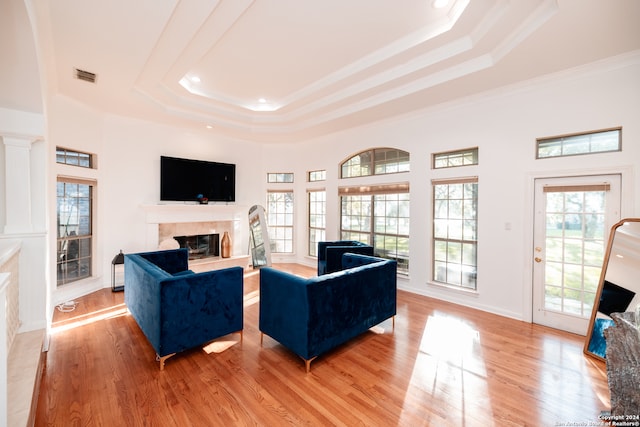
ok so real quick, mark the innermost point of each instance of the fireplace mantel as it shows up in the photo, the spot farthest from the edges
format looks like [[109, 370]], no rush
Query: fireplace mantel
[[161, 213]]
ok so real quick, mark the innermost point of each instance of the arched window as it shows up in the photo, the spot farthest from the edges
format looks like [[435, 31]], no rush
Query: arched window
[[377, 214], [376, 161]]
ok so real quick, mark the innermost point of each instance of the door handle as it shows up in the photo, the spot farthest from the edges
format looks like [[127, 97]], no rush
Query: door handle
[[538, 259]]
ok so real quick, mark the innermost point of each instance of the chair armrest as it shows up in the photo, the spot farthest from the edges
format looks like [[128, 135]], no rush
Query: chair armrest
[[142, 296], [351, 260], [284, 309]]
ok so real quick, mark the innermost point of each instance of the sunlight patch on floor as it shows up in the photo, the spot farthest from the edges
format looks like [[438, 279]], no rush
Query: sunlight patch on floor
[[448, 338], [86, 319], [218, 346], [251, 298], [449, 369], [566, 375]]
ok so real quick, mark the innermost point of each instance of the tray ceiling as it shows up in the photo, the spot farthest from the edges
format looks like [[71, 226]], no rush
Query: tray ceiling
[[286, 70]]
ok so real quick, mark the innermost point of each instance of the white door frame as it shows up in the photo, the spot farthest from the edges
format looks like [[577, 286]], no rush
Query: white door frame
[[541, 315], [626, 209]]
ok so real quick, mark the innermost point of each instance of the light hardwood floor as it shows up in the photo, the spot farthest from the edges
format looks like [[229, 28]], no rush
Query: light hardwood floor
[[442, 365]]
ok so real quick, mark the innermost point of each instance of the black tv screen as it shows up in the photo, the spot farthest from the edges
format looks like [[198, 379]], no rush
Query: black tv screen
[[187, 180], [614, 298]]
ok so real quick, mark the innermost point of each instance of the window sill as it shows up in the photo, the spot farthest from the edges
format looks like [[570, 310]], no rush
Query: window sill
[[76, 289], [453, 288]]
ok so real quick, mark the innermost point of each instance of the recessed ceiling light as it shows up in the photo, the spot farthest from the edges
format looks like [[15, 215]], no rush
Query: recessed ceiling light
[[262, 104], [209, 127], [439, 4], [195, 79]]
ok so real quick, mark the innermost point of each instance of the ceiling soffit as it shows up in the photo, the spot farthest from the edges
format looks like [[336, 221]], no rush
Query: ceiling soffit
[[305, 83]]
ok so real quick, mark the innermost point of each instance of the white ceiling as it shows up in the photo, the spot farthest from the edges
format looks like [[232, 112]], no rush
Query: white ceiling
[[319, 66]]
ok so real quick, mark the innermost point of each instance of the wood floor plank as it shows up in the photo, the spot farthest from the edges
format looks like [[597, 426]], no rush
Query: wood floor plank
[[441, 364]]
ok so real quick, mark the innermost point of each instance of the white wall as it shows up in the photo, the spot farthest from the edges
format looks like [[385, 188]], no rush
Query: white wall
[[504, 125], [71, 125], [128, 171]]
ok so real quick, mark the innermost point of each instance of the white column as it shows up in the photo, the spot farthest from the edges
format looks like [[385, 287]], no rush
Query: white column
[[18, 184]]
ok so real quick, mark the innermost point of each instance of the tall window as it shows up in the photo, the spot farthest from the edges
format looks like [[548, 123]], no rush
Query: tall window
[[378, 216], [317, 219], [455, 224], [74, 235], [280, 220]]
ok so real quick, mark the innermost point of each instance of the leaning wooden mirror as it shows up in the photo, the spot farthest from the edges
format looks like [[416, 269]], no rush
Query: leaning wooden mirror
[[619, 288], [259, 244]]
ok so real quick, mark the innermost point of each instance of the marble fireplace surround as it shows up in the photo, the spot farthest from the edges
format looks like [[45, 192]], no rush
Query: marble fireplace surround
[[166, 221], [169, 230]]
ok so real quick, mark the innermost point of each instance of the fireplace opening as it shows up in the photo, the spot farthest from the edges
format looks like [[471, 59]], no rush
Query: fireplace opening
[[200, 245]]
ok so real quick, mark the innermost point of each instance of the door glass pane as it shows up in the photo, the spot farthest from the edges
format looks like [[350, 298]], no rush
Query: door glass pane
[[574, 250]]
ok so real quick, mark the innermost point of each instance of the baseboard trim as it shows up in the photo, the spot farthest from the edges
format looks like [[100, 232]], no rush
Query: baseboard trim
[[42, 363]]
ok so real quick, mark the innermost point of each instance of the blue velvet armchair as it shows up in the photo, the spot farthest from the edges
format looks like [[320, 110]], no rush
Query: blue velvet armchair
[[330, 254], [178, 309], [312, 316]]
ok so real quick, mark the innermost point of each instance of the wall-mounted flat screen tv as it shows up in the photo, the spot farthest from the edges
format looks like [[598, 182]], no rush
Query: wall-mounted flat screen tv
[[614, 298], [185, 180]]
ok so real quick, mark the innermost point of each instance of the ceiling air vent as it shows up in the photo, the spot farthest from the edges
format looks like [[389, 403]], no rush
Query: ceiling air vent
[[85, 75]]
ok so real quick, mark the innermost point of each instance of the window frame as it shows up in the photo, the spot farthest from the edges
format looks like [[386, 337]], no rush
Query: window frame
[[436, 240], [371, 235], [85, 242], [312, 249], [567, 138], [372, 165], [473, 151], [70, 154], [281, 233], [280, 177], [312, 175]]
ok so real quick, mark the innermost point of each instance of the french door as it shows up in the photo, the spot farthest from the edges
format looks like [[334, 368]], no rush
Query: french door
[[572, 220]]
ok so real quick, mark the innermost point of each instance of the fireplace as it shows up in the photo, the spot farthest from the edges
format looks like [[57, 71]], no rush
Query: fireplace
[[200, 245], [165, 223]]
